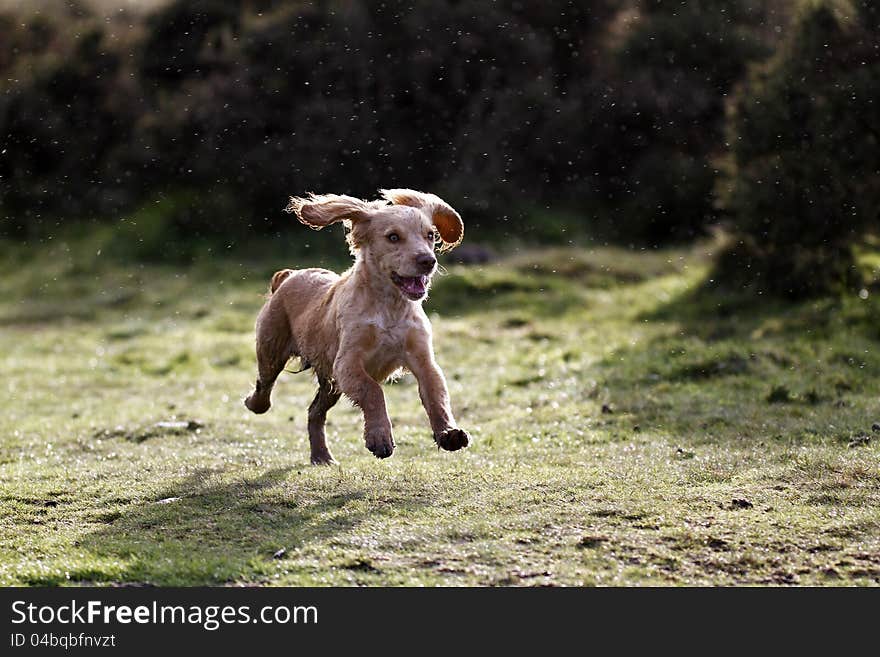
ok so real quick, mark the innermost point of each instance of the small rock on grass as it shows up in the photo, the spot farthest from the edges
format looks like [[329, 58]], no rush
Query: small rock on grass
[[875, 426], [279, 554], [860, 440], [607, 408], [741, 503], [682, 453], [174, 425]]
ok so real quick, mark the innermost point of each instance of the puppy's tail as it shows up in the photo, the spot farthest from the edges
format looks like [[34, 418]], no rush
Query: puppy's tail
[[278, 278]]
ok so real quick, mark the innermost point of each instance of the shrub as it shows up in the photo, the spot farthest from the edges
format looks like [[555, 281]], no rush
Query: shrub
[[661, 123], [805, 174], [501, 106]]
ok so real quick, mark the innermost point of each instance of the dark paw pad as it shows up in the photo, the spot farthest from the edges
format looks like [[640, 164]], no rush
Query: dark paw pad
[[382, 451], [258, 402], [257, 405], [380, 444], [453, 439]]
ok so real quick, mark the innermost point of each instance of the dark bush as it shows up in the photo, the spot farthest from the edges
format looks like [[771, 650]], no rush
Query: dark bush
[[459, 99], [574, 109], [62, 123], [805, 179], [182, 38], [661, 123]]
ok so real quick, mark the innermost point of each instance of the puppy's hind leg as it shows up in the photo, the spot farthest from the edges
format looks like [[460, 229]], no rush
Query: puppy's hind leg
[[325, 399], [274, 349], [270, 362]]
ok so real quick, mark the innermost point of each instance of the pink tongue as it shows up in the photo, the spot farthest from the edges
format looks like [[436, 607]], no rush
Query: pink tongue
[[413, 285]]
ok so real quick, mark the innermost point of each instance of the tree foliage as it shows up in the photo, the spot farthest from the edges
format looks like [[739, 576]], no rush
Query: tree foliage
[[601, 108], [805, 130]]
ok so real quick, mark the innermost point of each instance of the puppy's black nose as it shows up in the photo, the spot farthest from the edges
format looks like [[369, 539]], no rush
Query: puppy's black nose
[[426, 261]]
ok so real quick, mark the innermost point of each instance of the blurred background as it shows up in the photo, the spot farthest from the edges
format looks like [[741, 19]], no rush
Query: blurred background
[[640, 122], [661, 330]]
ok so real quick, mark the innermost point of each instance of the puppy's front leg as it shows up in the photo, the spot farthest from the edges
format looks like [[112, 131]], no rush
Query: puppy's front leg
[[433, 391], [357, 385]]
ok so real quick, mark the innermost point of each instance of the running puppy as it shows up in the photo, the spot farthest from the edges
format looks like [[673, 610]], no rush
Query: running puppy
[[359, 328]]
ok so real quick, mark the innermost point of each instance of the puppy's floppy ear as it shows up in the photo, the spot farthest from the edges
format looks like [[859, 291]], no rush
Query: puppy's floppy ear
[[447, 221], [320, 210]]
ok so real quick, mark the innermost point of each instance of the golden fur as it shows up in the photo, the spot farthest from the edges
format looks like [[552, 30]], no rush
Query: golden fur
[[358, 328]]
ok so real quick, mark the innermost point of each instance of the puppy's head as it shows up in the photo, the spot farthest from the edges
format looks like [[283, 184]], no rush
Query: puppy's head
[[396, 237]]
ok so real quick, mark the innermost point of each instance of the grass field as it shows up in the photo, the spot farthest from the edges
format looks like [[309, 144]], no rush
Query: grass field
[[628, 429]]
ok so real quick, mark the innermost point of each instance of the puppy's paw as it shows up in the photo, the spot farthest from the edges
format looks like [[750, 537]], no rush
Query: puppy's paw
[[323, 458], [380, 443], [258, 401], [452, 439]]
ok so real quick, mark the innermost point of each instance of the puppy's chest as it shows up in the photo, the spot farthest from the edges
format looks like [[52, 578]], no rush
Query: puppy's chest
[[386, 350]]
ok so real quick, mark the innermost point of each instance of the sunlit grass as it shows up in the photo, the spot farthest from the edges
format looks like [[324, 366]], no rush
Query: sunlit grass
[[625, 433]]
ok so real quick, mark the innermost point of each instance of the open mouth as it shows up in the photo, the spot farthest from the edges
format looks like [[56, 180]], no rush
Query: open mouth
[[413, 287]]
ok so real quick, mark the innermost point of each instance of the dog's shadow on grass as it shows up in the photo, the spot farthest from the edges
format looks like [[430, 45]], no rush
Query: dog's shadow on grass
[[200, 532]]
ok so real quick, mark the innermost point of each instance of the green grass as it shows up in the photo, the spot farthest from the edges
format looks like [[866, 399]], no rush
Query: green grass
[[630, 427]]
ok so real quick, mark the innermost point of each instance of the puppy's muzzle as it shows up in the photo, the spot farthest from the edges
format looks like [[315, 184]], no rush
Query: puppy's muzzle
[[426, 262]]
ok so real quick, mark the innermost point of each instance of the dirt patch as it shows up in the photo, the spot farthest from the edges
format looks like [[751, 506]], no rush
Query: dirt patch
[[157, 430], [591, 542]]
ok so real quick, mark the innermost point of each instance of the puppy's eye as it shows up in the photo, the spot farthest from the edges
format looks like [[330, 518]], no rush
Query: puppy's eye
[[432, 236], [393, 237]]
